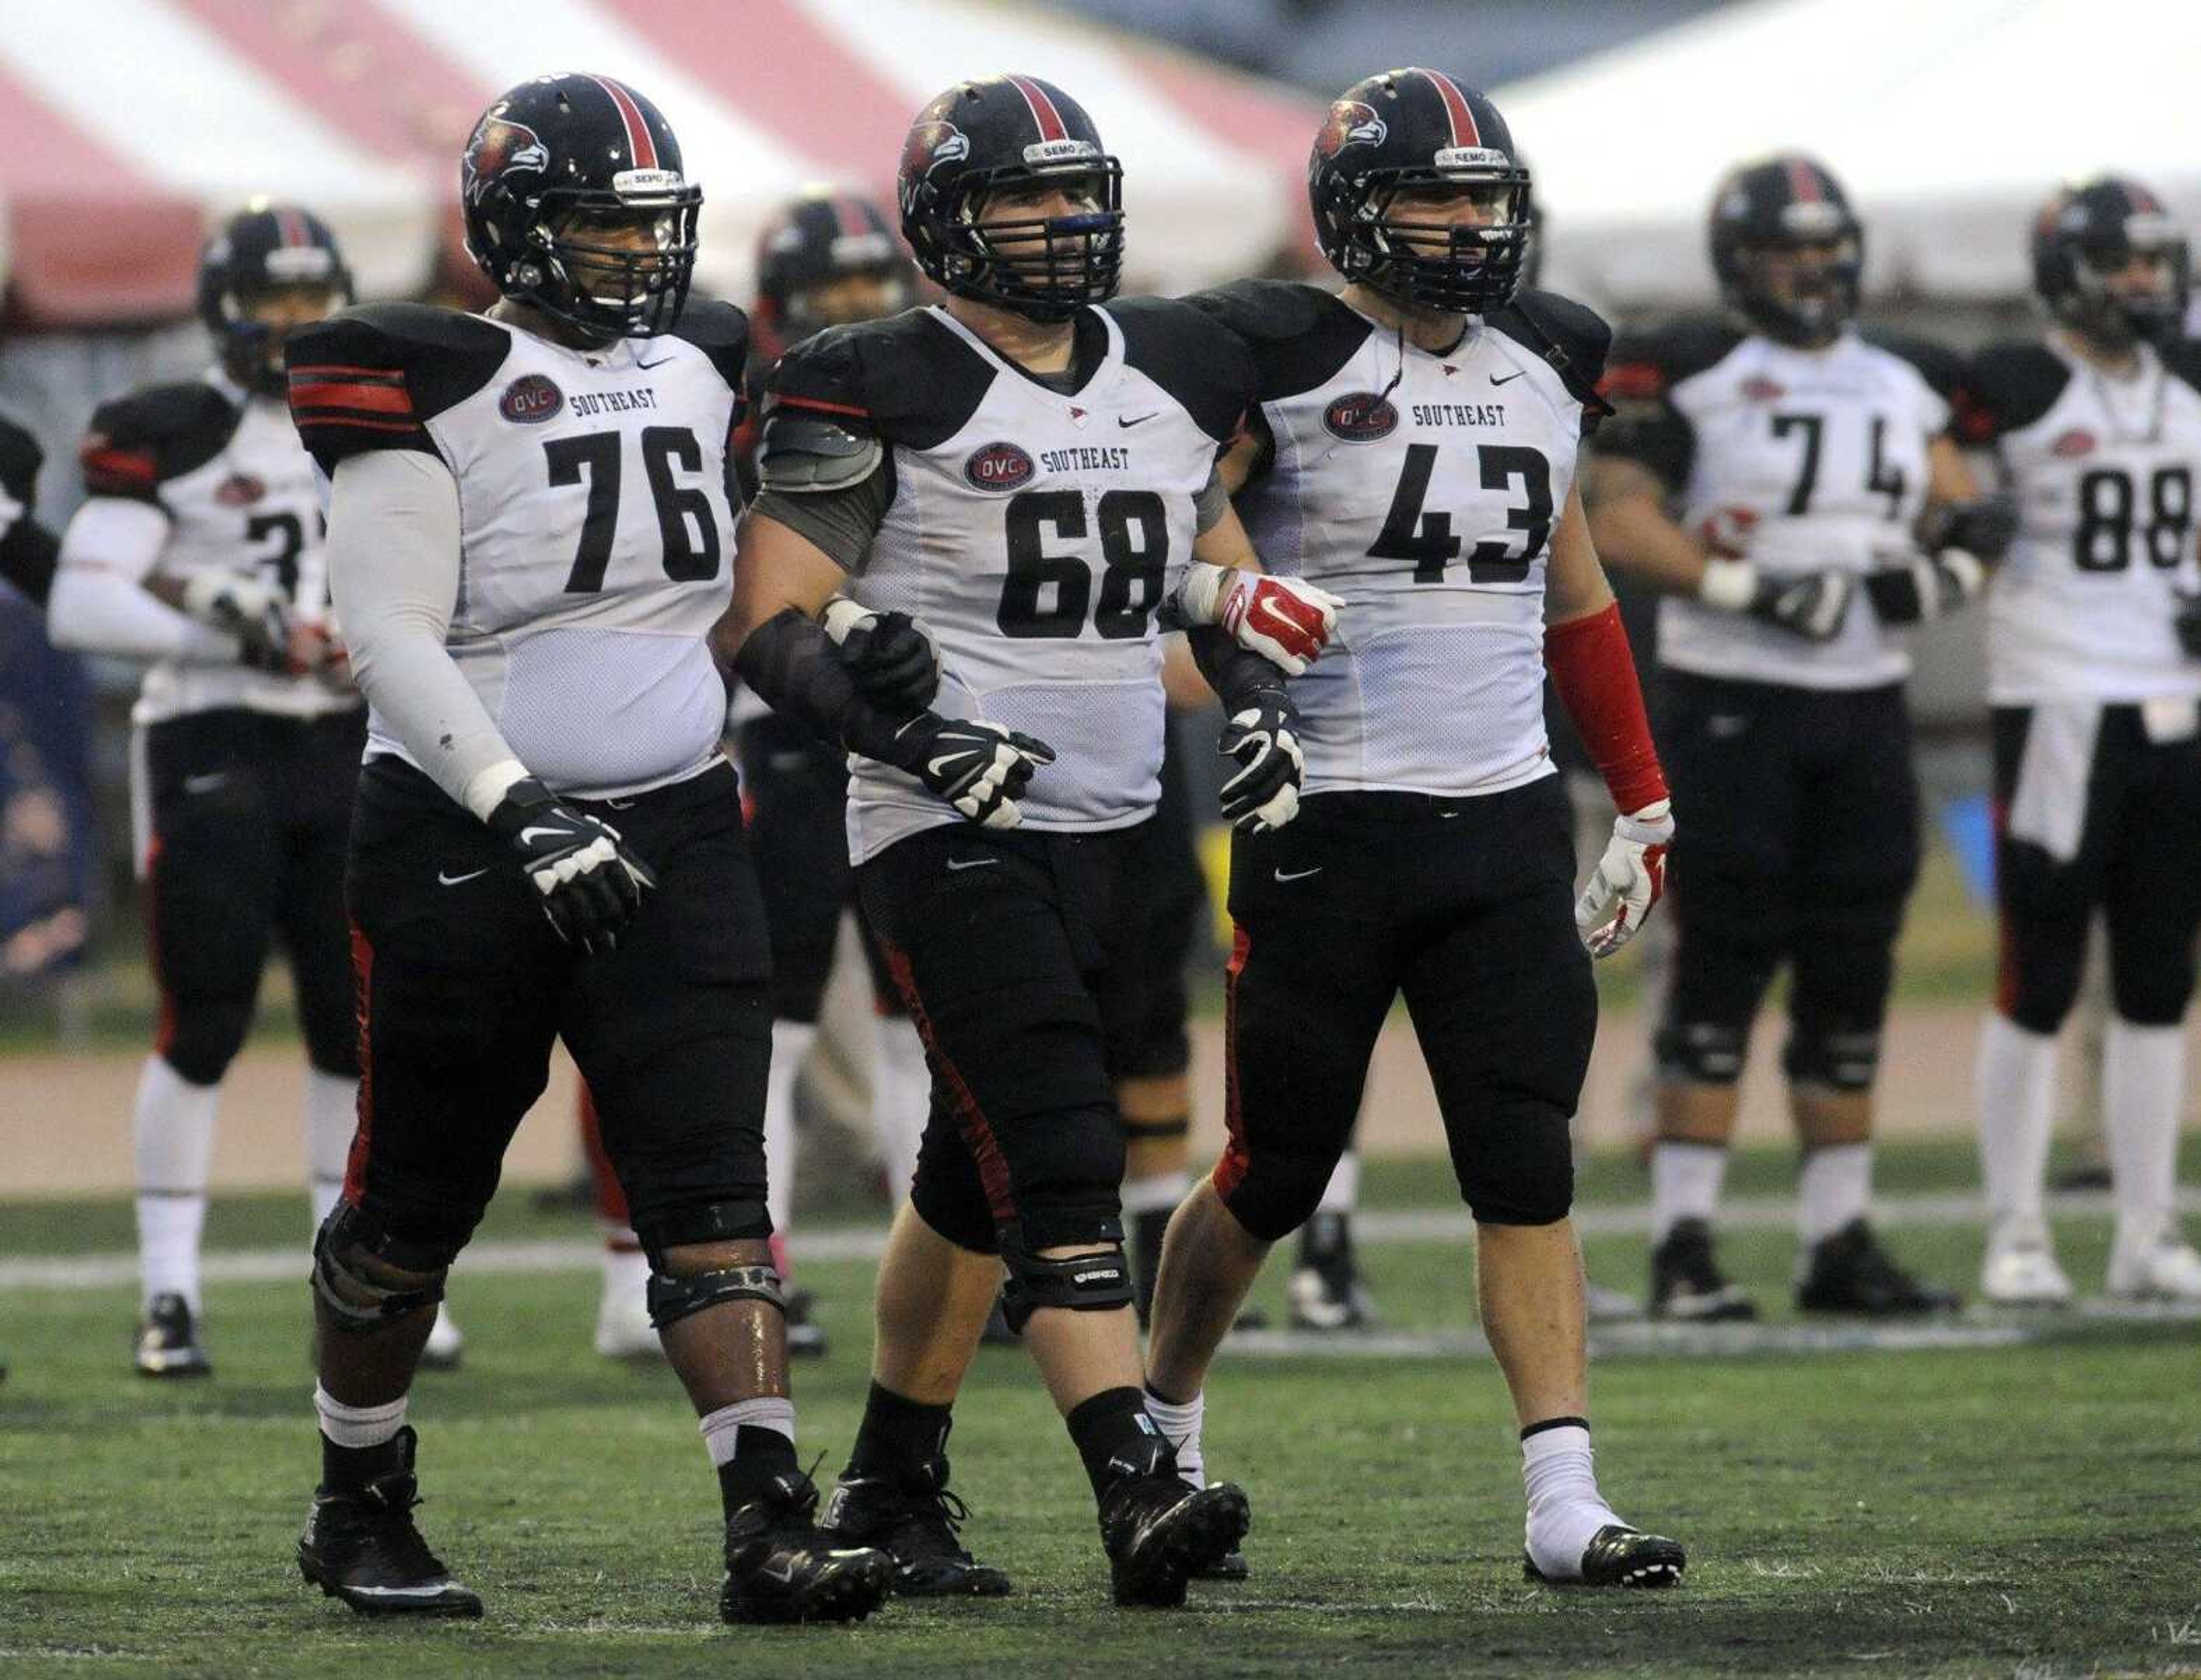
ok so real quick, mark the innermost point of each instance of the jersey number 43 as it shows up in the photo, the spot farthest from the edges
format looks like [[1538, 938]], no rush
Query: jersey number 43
[[1410, 531]]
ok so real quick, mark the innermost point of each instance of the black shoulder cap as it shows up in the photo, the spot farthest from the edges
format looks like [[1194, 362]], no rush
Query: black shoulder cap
[[1941, 367], [721, 331], [2005, 387], [371, 377], [1643, 366], [905, 379], [138, 443], [1299, 335], [1207, 368], [1574, 339]]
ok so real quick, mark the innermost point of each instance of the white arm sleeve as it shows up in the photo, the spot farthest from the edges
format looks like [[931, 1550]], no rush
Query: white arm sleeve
[[100, 604], [393, 558]]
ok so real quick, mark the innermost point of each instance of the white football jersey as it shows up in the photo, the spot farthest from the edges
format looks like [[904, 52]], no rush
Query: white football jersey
[[1820, 455], [1036, 532], [596, 515], [239, 495], [2103, 470], [1422, 488]]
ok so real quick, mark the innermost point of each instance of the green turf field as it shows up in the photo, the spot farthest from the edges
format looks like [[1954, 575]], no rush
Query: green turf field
[[2032, 1508]]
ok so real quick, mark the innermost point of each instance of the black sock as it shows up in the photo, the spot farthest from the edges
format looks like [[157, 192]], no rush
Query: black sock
[[761, 1457], [1113, 1424], [351, 1468], [1326, 1239], [897, 1434], [1147, 1230]]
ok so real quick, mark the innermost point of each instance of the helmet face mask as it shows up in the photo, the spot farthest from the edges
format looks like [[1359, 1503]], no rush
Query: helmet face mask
[[2110, 265], [1789, 251], [272, 269]]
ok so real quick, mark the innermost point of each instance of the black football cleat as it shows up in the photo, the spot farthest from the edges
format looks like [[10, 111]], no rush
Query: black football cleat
[[1325, 1293], [1850, 1273], [168, 1343], [916, 1522], [361, 1546], [806, 1340], [1160, 1533], [1686, 1285], [1230, 1566], [1620, 1556], [781, 1567]]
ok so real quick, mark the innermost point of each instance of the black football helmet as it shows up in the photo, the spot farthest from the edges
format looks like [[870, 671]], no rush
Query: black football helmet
[[980, 137], [821, 236], [265, 247], [1419, 129], [553, 168], [2083, 237], [1778, 206]]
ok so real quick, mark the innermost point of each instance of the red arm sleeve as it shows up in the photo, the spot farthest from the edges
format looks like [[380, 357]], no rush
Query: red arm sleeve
[[1594, 671]]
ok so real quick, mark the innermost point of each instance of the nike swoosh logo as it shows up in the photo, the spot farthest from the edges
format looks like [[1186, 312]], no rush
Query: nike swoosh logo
[[441, 880], [1298, 874], [205, 783], [659, 362], [1141, 420], [1508, 380], [527, 834], [972, 862]]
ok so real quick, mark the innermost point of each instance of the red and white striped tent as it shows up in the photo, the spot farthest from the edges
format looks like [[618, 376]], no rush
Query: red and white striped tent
[[125, 125]]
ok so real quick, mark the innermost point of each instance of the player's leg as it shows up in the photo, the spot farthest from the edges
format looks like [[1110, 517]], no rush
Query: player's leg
[[901, 1083], [623, 1331], [672, 1032], [2045, 764], [1505, 1011], [458, 992], [1310, 977], [1726, 748], [210, 906], [1851, 882], [1325, 1292], [2152, 894]]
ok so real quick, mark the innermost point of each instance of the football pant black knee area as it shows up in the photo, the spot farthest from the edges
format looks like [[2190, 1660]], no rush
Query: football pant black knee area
[[1701, 1052], [1516, 1164], [950, 1198], [694, 1222], [368, 1276], [202, 1034], [673, 1296], [2151, 979], [1831, 1055], [1099, 1282], [1279, 1190]]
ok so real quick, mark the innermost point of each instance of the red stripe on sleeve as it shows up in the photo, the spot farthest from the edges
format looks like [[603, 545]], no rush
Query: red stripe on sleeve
[[823, 407], [332, 394]]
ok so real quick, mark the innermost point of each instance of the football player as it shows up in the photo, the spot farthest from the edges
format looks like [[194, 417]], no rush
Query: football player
[[29, 551], [828, 258], [1790, 490], [1031, 467], [199, 548], [2094, 674], [531, 533], [1414, 447]]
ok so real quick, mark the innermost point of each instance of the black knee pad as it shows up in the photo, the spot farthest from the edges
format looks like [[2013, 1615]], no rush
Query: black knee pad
[[1516, 1167], [1831, 1056], [1274, 1193], [674, 1297], [1700, 1052], [202, 1036], [740, 1220], [1095, 1283], [353, 1250]]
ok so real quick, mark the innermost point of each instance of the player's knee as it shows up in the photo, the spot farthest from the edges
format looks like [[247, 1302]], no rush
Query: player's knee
[[203, 1035], [692, 1279], [701, 1224], [2152, 987], [1272, 1193], [1701, 1052], [331, 1038], [366, 1277], [1096, 1279], [1517, 1167], [1832, 1056]]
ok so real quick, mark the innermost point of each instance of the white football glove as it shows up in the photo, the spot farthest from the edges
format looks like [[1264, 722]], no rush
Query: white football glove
[[247, 607], [977, 767], [1287, 620], [1629, 879]]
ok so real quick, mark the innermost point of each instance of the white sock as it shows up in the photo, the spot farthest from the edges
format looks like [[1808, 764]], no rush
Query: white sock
[[2016, 1081], [1685, 1183], [1834, 1188], [626, 1268], [2143, 1075], [1181, 1424], [901, 1098], [722, 1428], [790, 1044], [1565, 1509], [1341, 1195], [1156, 1192], [174, 1144], [357, 1426], [331, 1116]]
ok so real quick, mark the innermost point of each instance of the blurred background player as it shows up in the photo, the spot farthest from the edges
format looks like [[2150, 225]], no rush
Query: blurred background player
[[2094, 676], [199, 548], [1414, 444], [828, 258], [1791, 489], [29, 550]]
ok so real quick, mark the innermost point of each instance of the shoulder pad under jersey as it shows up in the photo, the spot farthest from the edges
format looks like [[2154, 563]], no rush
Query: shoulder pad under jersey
[[1298, 335], [371, 377], [721, 331], [138, 443], [1570, 336], [1205, 367], [2006, 386], [905, 379]]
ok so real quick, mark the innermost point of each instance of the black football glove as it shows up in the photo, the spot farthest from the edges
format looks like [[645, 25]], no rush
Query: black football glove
[[1983, 527], [978, 767], [1812, 605], [590, 884], [2187, 623], [1264, 795], [1907, 588], [891, 657]]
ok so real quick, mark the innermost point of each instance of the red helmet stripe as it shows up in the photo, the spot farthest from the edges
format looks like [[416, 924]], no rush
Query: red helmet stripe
[[1464, 131], [290, 226], [1803, 181], [2143, 201], [641, 150], [1042, 108]]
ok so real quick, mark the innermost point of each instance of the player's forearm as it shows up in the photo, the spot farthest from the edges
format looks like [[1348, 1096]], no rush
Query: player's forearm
[[1633, 534], [1593, 669], [790, 663], [93, 609], [1236, 674], [393, 557]]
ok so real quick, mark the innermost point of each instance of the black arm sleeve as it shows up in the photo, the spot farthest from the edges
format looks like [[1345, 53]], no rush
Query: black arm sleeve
[[792, 666], [1236, 675]]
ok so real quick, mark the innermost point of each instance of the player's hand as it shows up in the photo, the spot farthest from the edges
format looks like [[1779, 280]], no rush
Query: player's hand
[[891, 657], [1906, 587], [1809, 604], [1629, 879], [1287, 620], [249, 607], [590, 884], [979, 767], [1984, 527], [1264, 795]]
